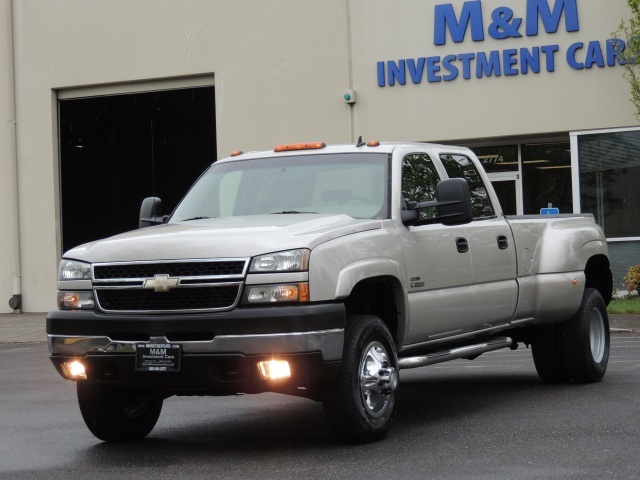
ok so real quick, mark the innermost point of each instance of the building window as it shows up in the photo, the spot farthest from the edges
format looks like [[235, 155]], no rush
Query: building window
[[546, 177], [609, 179]]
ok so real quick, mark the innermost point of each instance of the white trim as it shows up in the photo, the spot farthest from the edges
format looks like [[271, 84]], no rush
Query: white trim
[[623, 239], [575, 174], [120, 88], [607, 130]]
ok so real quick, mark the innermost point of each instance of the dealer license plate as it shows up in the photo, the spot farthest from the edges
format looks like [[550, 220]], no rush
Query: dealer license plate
[[158, 357]]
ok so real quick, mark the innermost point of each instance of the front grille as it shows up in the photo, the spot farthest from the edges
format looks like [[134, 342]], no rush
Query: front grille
[[173, 269], [196, 298]]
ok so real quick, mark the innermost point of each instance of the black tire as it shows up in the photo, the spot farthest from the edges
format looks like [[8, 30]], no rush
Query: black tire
[[586, 339], [360, 408], [117, 414], [547, 354]]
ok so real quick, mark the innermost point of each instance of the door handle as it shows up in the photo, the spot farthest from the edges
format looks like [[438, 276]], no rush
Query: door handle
[[503, 243], [462, 245]]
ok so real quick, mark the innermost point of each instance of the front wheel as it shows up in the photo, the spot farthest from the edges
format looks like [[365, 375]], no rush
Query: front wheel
[[360, 402], [117, 414]]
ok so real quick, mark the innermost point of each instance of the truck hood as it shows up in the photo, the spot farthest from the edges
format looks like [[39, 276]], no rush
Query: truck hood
[[230, 237]]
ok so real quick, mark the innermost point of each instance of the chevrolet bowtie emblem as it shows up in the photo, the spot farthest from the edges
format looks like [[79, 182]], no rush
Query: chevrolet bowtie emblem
[[161, 283]]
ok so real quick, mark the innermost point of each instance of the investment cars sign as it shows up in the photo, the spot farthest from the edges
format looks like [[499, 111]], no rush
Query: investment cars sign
[[505, 24]]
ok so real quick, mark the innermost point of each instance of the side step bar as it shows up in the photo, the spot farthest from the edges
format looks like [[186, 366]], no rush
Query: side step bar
[[470, 351]]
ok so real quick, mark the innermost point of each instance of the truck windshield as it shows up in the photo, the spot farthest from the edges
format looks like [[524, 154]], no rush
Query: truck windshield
[[355, 184]]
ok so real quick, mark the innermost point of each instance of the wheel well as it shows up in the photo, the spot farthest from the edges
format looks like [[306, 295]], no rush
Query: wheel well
[[376, 296], [598, 276]]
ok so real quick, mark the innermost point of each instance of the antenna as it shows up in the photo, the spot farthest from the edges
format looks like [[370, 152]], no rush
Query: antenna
[[360, 142]]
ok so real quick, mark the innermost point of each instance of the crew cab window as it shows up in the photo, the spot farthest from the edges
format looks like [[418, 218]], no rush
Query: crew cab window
[[419, 180], [460, 166]]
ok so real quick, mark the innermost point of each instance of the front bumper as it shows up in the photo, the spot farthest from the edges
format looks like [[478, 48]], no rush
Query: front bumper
[[219, 351]]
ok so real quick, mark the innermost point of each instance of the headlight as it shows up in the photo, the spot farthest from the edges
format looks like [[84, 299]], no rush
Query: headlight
[[76, 301], [289, 293], [288, 261], [74, 270]]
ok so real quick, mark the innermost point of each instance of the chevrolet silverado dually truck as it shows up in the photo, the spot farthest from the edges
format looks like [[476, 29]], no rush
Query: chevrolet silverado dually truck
[[323, 271]]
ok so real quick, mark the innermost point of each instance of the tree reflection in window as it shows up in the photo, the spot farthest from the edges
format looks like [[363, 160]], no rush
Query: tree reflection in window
[[459, 166], [419, 180]]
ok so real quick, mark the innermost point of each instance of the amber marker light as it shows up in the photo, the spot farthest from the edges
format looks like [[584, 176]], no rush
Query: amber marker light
[[235, 153], [299, 146], [575, 282], [373, 143], [274, 369]]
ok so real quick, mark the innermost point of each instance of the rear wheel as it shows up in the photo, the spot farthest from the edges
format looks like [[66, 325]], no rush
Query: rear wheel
[[586, 340], [547, 354], [360, 402], [577, 349], [115, 413]]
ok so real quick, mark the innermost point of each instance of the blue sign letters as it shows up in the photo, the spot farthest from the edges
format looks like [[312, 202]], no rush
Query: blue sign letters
[[505, 24]]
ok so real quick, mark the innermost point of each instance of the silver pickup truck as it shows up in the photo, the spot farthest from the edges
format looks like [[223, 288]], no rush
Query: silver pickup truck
[[322, 271]]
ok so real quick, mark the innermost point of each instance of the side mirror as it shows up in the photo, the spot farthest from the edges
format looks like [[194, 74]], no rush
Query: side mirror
[[452, 201], [151, 212]]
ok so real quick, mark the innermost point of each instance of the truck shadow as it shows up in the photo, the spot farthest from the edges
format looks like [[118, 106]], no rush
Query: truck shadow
[[268, 426]]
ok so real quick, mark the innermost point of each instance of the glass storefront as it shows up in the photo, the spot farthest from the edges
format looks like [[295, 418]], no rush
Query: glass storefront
[[609, 164]]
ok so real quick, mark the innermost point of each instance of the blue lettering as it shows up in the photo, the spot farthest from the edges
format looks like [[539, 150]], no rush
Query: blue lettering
[[594, 55], [466, 64], [396, 72], [490, 66], [447, 63], [381, 81], [504, 25], [530, 60], [432, 69], [615, 47], [551, 19], [549, 53], [445, 18], [415, 71], [509, 61], [571, 56]]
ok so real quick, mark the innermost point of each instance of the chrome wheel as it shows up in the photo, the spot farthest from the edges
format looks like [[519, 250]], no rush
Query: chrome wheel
[[378, 379], [597, 335]]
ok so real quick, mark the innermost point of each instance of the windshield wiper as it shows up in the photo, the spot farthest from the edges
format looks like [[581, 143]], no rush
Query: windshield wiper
[[288, 212], [194, 218]]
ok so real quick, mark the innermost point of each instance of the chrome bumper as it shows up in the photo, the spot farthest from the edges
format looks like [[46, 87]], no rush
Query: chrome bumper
[[328, 342]]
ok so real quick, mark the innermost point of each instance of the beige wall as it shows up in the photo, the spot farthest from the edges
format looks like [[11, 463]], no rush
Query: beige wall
[[280, 67]]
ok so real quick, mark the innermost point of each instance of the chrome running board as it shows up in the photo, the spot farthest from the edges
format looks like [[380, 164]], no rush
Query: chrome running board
[[469, 351]]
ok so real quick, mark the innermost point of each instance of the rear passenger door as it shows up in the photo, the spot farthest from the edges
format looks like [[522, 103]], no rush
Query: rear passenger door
[[491, 247]]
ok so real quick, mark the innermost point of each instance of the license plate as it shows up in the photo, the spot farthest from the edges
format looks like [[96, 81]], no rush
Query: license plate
[[158, 357]]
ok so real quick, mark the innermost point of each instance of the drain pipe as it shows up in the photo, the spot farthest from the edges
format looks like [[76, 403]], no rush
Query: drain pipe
[[12, 154]]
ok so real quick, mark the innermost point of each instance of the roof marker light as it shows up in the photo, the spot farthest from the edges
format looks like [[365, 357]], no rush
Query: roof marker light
[[299, 146], [373, 143], [235, 153]]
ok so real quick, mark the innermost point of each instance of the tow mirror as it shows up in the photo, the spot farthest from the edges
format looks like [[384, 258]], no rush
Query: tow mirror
[[151, 212], [452, 201]]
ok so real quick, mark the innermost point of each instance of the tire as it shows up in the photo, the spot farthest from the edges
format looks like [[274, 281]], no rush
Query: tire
[[547, 354], [578, 349], [360, 403], [117, 414], [586, 340]]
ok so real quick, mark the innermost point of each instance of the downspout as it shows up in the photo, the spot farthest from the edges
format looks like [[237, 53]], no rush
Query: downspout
[[352, 133], [12, 154]]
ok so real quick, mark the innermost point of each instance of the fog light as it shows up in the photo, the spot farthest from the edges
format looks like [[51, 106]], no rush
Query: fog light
[[74, 370], [274, 369]]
